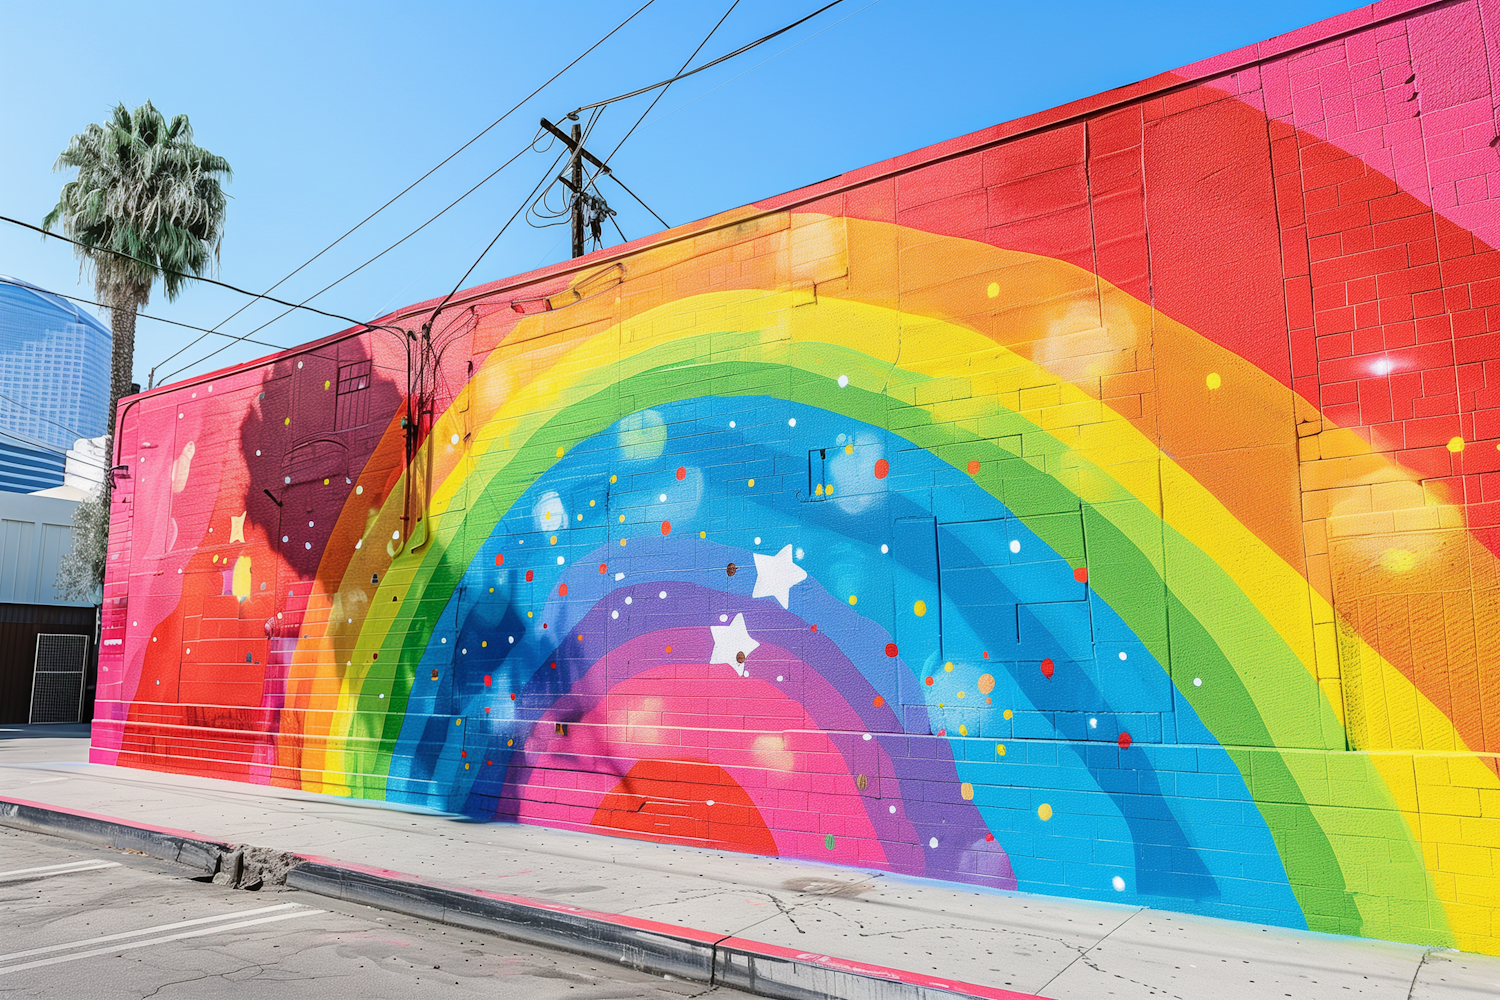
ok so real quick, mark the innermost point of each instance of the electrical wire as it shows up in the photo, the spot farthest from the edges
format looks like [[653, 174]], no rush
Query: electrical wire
[[530, 146], [710, 64], [158, 319], [33, 409], [441, 163], [194, 277]]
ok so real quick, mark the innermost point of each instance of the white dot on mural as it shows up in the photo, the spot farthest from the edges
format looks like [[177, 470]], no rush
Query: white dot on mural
[[445, 640], [359, 543], [1015, 545], [884, 549], [257, 453], [1197, 682], [757, 539], [932, 843], [662, 595], [867, 735], [310, 524], [1093, 723], [709, 802], [284, 538], [560, 560], [731, 425], [893, 809], [1122, 655], [723, 618], [307, 545], [792, 422], [800, 553], [465, 651], [382, 694], [619, 577], [630, 600], [843, 381], [779, 677], [512, 640], [395, 535], [359, 491], [662, 498], [1118, 883], [287, 480], [614, 614]]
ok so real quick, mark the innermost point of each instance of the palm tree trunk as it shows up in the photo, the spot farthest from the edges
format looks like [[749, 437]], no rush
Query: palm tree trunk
[[122, 355]]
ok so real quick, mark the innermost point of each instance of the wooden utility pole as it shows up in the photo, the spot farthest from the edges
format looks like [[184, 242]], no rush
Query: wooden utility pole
[[573, 177]]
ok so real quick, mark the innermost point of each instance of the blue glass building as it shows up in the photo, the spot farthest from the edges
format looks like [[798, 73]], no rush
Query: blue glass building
[[54, 383]]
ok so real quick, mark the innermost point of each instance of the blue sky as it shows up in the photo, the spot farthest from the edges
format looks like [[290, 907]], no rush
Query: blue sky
[[327, 110]]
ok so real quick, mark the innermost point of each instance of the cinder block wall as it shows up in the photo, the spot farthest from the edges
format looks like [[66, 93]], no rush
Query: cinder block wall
[[1102, 505]]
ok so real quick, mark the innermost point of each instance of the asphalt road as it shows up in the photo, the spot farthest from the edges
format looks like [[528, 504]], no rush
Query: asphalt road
[[82, 921]]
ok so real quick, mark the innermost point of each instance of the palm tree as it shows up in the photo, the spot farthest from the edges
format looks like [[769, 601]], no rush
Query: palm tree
[[146, 204]]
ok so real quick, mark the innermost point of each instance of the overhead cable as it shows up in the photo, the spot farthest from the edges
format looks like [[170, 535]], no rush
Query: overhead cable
[[708, 65]]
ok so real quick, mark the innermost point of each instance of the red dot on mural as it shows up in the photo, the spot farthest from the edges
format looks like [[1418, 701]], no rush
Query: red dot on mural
[[890, 649], [499, 558], [463, 753], [989, 836], [929, 682], [528, 576], [1081, 574], [488, 763], [486, 710], [1124, 741], [879, 701], [986, 655], [815, 628], [681, 472], [1047, 667], [973, 466], [512, 696], [487, 680], [666, 527], [562, 590], [554, 664], [544, 625], [882, 468], [603, 568], [374, 656], [943, 732]]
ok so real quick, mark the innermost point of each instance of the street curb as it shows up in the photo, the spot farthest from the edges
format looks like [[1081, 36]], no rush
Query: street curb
[[157, 841], [645, 945]]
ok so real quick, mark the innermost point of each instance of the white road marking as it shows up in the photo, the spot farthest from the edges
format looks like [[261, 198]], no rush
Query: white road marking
[[152, 930], [49, 870], [58, 959]]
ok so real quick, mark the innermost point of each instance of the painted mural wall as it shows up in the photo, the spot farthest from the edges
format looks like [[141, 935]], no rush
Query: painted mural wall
[[1102, 505]]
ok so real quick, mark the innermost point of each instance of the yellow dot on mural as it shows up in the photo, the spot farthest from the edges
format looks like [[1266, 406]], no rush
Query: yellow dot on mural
[[528, 614], [458, 722], [963, 730], [948, 667], [326, 384], [919, 609], [702, 534], [546, 515], [553, 541], [622, 543], [622, 518], [1044, 811], [829, 489], [848, 449], [752, 484], [1398, 560], [1008, 713], [967, 791], [993, 290], [960, 694], [591, 503], [611, 478], [287, 422], [853, 598], [1213, 381], [486, 642], [818, 490], [559, 451], [492, 590], [986, 683], [1000, 749], [510, 743], [325, 482], [1456, 444]]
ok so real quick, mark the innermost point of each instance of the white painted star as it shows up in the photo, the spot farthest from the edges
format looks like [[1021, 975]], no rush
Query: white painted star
[[776, 575], [730, 642]]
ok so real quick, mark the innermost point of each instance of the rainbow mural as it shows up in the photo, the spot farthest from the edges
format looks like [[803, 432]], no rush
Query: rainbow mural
[[1100, 505]]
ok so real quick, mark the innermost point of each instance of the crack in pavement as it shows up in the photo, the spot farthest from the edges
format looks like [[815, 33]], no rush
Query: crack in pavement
[[1412, 989]]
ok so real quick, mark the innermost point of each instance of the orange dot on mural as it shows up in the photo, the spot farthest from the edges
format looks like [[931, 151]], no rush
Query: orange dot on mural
[[879, 701], [499, 558], [882, 468], [666, 527], [562, 590], [669, 649], [1081, 574], [681, 472], [1047, 667], [890, 649], [986, 683], [929, 682], [1124, 741], [603, 568], [973, 467]]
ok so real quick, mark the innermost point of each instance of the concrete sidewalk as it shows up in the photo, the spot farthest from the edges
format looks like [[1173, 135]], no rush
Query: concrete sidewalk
[[1032, 944]]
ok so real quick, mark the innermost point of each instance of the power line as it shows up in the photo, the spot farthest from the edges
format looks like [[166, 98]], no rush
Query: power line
[[193, 277], [710, 64], [349, 274], [441, 163], [44, 416], [158, 319]]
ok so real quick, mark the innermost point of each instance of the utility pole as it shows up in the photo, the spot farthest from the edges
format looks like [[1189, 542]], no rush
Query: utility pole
[[577, 190], [573, 177]]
